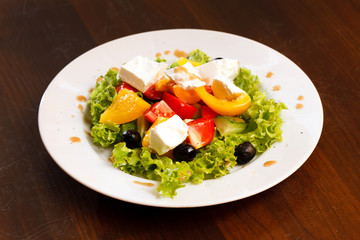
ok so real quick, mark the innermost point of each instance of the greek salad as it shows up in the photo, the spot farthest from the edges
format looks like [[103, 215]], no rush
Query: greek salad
[[185, 121]]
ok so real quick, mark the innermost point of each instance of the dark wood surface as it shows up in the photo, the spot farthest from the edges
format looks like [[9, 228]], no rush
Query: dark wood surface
[[40, 201]]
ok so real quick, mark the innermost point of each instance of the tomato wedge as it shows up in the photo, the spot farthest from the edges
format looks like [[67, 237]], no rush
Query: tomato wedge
[[208, 89], [152, 94], [181, 108], [159, 109], [200, 132], [124, 85], [207, 112]]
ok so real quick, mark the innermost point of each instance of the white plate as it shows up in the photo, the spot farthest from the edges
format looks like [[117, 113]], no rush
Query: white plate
[[60, 118]]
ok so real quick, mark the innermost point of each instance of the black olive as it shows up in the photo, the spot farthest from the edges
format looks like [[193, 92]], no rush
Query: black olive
[[184, 152], [131, 138], [218, 58], [244, 153]]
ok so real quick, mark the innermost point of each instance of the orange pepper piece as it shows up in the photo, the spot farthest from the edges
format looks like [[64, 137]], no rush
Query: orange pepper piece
[[188, 96]]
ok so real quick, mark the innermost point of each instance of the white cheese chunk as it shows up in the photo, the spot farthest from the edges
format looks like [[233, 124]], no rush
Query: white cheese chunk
[[167, 135], [208, 71], [186, 76], [222, 69], [142, 72]]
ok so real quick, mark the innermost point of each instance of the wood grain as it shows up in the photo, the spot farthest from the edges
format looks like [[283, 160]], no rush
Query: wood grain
[[39, 201]]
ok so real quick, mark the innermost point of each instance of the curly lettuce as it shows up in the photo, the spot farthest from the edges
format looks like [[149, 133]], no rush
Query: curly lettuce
[[199, 56], [103, 94], [159, 60], [109, 133], [141, 161], [263, 115], [105, 134], [101, 98]]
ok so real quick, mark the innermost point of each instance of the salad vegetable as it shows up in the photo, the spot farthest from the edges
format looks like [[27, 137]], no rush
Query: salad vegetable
[[194, 121]]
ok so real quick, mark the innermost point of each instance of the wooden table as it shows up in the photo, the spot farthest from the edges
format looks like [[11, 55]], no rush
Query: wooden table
[[40, 201]]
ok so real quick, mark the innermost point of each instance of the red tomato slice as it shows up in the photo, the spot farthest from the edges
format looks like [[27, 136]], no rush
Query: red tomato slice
[[207, 112], [181, 108], [201, 132], [159, 109], [208, 89], [124, 85], [151, 94]]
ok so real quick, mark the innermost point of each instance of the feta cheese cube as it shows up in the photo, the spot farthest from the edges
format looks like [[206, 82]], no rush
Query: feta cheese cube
[[167, 135], [208, 71], [142, 72], [186, 76], [222, 69]]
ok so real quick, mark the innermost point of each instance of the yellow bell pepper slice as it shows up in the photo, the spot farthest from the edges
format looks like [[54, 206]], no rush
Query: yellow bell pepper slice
[[126, 107], [223, 106]]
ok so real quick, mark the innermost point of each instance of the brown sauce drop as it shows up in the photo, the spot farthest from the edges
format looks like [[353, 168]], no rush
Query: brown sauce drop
[[87, 133], [99, 79], [276, 88], [269, 74], [90, 90], [299, 106], [178, 53], [167, 52], [75, 139], [72, 116], [144, 184], [81, 98], [81, 108], [269, 163], [158, 55], [300, 98]]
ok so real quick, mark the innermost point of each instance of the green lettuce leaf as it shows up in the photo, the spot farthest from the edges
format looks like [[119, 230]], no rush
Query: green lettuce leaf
[[174, 64], [110, 133], [105, 134], [171, 175], [263, 115], [214, 160], [159, 60], [247, 82], [103, 95], [199, 56]]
